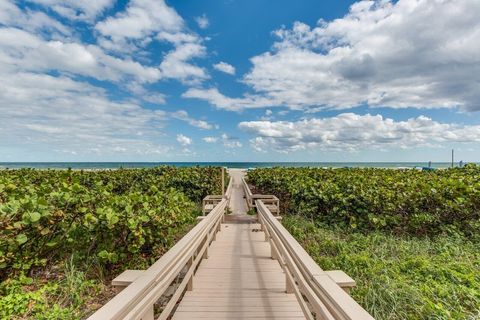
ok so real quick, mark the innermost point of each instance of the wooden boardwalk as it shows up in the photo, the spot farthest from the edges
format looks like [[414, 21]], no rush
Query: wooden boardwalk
[[239, 280], [234, 266]]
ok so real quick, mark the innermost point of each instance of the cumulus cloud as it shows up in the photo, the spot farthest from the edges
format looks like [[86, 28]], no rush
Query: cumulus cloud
[[33, 21], [49, 96], [28, 52], [210, 139], [183, 115], [144, 21], [140, 20], [202, 21], [230, 142], [175, 64], [354, 132], [223, 102], [226, 140], [60, 114], [407, 53], [184, 140], [224, 67], [77, 9]]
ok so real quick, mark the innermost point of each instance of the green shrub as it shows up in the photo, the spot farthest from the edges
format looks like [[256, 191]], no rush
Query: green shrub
[[87, 226], [402, 201]]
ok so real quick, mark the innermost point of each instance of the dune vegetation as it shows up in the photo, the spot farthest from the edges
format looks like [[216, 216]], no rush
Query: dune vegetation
[[64, 234], [411, 239]]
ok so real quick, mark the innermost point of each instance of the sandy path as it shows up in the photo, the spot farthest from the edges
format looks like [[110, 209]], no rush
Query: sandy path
[[238, 205]]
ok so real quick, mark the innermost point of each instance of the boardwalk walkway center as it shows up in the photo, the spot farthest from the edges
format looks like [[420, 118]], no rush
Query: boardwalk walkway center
[[232, 265]]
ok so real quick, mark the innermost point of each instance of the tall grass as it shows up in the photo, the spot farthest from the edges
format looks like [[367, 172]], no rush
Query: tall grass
[[399, 277]]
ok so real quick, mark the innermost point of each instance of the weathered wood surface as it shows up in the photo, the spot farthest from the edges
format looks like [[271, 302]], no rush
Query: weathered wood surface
[[238, 204], [136, 301], [239, 280], [319, 292], [247, 270]]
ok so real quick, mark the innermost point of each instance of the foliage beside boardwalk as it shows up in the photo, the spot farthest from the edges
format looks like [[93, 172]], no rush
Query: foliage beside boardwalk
[[401, 201], [410, 239], [63, 233]]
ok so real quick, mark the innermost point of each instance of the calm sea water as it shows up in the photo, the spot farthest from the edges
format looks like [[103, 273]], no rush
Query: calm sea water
[[246, 165]]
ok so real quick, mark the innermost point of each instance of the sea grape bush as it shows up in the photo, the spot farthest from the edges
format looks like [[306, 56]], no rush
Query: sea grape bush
[[109, 215], [401, 201], [410, 239]]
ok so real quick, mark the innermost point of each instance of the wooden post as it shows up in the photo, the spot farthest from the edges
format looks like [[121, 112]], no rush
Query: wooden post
[[205, 253], [190, 281], [289, 286], [149, 315], [223, 181], [273, 250]]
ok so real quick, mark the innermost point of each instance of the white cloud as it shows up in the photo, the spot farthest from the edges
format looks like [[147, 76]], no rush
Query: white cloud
[[202, 21], [77, 9], [26, 51], [226, 140], [59, 114], [224, 67], [145, 95], [175, 65], [184, 140], [230, 142], [408, 53], [146, 20], [210, 139], [33, 21], [140, 20], [223, 102], [183, 115], [354, 132]]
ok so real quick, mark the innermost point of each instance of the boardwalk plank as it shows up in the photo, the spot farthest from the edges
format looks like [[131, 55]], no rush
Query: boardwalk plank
[[239, 280]]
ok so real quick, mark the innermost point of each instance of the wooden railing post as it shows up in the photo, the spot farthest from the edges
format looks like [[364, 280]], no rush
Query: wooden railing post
[[190, 281], [149, 315], [205, 253], [144, 288], [289, 286], [273, 250], [318, 292], [223, 180]]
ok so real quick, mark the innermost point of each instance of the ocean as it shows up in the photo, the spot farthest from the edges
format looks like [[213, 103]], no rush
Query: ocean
[[243, 165]]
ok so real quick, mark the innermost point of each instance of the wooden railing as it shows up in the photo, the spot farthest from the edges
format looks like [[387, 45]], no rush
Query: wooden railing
[[271, 201], [142, 289], [319, 292]]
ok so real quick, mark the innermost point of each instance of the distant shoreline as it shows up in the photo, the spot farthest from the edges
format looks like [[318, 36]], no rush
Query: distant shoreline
[[239, 165]]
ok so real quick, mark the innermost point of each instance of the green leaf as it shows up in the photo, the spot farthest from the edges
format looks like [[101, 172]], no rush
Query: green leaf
[[35, 216], [21, 238]]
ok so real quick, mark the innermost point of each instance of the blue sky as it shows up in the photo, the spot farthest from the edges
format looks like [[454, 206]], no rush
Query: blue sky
[[231, 80]]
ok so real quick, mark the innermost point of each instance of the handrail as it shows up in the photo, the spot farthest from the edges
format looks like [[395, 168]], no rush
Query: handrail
[[248, 193], [229, 189], [272, 202], [317, 293], [137, 299]]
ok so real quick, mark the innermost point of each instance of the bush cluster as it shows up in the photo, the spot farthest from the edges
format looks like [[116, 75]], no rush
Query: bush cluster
[[402, 201], [110, 216]]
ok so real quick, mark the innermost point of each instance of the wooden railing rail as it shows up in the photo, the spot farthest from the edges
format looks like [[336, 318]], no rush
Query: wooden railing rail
[[248, 194], [228, 193], [137, 300], [271, 201], [320, 295]]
